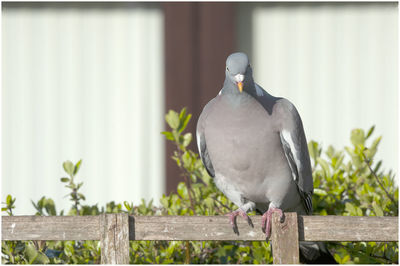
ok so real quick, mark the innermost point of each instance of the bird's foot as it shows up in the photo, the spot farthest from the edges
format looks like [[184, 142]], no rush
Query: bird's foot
[[267, 220], [232, 219]]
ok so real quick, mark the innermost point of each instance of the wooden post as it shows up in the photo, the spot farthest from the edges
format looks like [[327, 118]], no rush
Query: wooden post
[[114, 239], [285, 239]]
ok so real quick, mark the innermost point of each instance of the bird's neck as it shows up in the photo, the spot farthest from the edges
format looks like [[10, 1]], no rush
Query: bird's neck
[[232, 88]]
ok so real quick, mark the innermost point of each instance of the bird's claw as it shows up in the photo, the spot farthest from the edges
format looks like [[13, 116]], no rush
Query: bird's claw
[[267, 220], [232, 219]]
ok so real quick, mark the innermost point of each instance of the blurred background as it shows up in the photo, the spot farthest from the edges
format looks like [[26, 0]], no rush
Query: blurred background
[[93, 81]]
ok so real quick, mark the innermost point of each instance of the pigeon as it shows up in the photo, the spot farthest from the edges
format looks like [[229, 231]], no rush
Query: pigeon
[[254, 146]]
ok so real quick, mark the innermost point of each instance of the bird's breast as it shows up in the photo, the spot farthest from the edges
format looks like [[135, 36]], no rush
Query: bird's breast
[[244, 146], [240, 136]]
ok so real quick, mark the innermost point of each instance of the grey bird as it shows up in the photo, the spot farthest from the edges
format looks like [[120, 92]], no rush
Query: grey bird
[[253, 145]]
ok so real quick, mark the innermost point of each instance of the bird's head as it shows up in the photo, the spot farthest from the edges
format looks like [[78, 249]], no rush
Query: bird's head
[[238, 70]]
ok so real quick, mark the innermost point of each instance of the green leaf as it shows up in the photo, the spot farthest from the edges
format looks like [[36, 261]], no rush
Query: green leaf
[[8, 200], [79, 185], [172, 119], [209, 202], [69, 248], [186, 159], [69, 167], [41, 202], [31, 253], [50, 207], [182, 113], [177, 160], [187, 138], [168, 135], [77, 166], [370, 131], [378, 165], [337, 161], [377, 209], [324, 165], [184, 123], [359, 211], [64, 179], [357, 137], [351, 209], [127, 206], [314, 150], [182, 190], [42, 259], [337, 258], [82, 196], [36, 206], [374, 145], [320, 192], [330, 152], [71, 186], [164, 202]]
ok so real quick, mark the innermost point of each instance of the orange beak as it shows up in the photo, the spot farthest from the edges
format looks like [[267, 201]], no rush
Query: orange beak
[[240, 86]]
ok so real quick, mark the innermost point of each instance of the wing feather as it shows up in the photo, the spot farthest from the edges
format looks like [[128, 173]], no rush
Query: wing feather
[[293, 141], [201, 141], [294, 144]]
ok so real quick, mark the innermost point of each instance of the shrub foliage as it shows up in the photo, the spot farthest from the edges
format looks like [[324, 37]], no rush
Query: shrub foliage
[[346, 182]]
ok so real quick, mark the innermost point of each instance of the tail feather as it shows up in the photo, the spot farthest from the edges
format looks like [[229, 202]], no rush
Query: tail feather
[[315, 253]]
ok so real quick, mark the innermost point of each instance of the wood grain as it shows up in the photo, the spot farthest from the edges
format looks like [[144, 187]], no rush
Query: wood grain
[[50, 228], [194, 228], [348, 228], [114, 240], [311, 228], [285, 239]]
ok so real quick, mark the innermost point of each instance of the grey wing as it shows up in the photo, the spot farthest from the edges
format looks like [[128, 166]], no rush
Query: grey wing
[[201, 141], [294, 144]]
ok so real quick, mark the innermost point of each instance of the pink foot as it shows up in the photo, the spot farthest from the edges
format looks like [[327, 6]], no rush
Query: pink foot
[[267, 219], [232, 219]]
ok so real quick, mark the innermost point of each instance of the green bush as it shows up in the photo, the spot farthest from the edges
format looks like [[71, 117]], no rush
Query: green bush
[[344, 185]]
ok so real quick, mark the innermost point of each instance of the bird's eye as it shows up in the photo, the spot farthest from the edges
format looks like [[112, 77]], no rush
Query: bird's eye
[[227, 68]]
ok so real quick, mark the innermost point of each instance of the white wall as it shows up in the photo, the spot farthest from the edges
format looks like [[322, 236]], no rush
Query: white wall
[[82, 81], [338, 63]]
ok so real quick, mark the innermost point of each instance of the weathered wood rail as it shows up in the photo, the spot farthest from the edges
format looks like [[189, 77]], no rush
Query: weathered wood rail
[[115, 230]]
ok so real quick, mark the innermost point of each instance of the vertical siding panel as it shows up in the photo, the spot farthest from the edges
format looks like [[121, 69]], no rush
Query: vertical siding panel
[[92, 85], [140, 88], [144, 87], [156, 96], [116, 91], [45, 108], [16, 107], [82, 80]]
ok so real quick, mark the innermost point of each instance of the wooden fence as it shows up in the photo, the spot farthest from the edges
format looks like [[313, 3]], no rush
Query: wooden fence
[[115, 230]]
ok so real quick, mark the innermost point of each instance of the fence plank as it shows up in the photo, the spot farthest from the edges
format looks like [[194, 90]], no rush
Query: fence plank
[[114, 240], [348, 228], [50, 228], [285, 239], [194, 228], [311, 228]]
